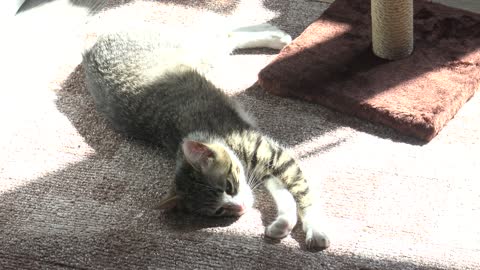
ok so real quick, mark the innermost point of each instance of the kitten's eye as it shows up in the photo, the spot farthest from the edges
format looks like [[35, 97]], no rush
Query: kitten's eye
[[229, 188], [220, 211]]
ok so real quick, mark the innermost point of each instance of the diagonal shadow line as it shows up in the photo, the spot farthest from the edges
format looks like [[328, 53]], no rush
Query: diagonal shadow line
[[324, 148], [293, 121]]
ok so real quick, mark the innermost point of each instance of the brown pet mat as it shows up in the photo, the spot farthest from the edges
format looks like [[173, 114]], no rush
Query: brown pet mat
[[331, 63]]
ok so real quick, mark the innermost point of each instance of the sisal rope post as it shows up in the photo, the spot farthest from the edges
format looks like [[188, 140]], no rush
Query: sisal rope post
[[392, 28]]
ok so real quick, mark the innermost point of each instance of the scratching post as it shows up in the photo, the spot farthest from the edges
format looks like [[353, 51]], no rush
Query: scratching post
[[392, 28], [332, 63]]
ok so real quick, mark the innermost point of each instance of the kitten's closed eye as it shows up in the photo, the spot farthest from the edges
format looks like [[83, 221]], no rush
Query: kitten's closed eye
[[229, 188], [220, 211]]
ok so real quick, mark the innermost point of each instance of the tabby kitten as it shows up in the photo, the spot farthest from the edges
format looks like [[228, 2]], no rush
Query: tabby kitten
[[151, 86]]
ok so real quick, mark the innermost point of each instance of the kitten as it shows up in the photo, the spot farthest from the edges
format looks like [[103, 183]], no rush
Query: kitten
[[151, 86]]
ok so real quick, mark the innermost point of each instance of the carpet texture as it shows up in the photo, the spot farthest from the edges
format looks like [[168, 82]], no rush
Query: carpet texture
[[76, 195], [332, 63]]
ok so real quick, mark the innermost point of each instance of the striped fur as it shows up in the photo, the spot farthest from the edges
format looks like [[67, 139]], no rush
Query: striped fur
[[149, 85], [264, 158]]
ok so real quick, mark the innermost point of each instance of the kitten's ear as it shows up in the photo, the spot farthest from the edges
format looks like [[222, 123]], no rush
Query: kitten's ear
[[199, 155], [170, 201]]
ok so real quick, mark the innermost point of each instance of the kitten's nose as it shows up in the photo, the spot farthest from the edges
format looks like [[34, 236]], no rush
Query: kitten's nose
[[237, 209]]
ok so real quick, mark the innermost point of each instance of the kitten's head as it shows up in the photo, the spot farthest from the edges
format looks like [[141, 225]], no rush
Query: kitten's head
[[209, 180]]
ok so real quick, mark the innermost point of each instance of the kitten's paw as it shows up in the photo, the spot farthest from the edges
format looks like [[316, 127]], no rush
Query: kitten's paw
[[316, 239], [263, 35], [278, 39], [260, 28], [279, 229]]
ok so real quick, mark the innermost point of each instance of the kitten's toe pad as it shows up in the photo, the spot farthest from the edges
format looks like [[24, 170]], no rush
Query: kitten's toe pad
[[279, 229], [316, 240]]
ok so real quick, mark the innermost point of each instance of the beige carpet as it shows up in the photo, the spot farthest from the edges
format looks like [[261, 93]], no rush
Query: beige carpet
[[74, 194]]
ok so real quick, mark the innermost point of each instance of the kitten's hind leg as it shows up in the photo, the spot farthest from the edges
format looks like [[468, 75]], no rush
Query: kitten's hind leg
[[259, 36], [286, 210]]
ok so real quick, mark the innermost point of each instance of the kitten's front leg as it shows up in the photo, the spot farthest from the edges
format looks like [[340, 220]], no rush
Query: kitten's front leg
[[286, 210], [288, 187], [286, 169], [286, 219]]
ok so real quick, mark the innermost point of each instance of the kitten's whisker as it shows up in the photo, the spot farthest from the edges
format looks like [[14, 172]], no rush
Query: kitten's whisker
[[257, 185], [250, 179], [255, 178], [256, 181]]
